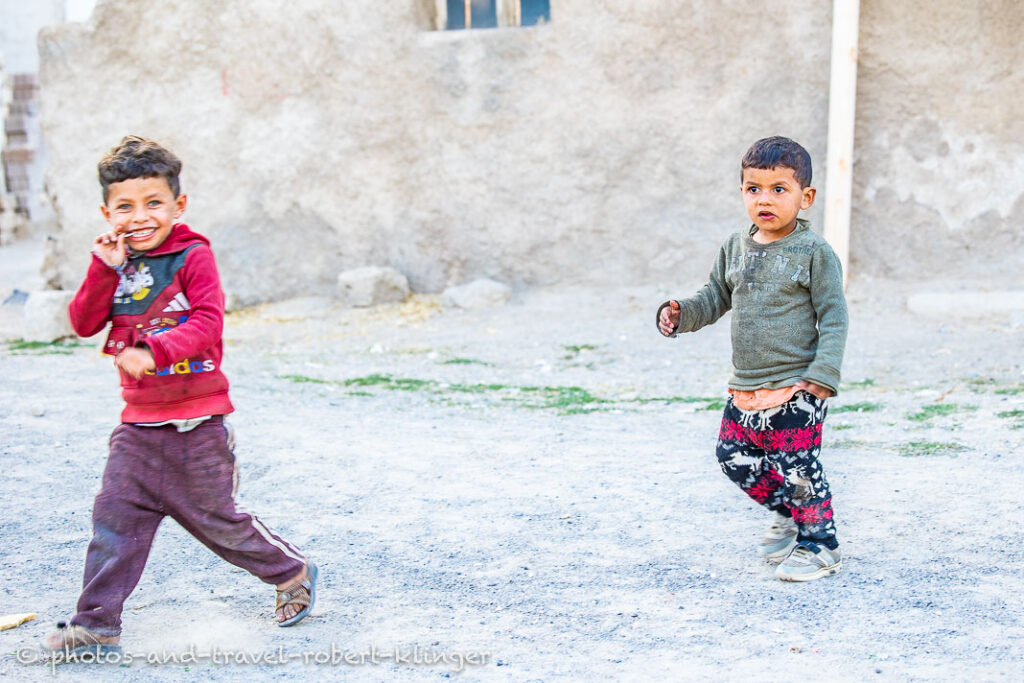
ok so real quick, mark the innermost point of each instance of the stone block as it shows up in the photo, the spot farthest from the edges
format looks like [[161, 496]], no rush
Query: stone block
[[969, 304], [371, 285], [477, 294], [46, 316]]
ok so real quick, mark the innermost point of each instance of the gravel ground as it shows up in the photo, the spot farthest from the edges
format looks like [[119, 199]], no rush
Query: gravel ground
[[535, 485]]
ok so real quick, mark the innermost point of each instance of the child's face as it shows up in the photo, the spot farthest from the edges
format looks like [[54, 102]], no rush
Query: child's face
[[143, 210], [773, 198]]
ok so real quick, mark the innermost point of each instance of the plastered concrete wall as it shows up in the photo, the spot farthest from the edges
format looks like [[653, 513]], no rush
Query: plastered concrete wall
[[939, 169], [20, 21], [319, 136], [603, 147]]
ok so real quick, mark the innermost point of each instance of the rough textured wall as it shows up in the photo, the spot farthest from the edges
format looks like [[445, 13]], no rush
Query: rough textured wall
[[319, 136], [939, 168]]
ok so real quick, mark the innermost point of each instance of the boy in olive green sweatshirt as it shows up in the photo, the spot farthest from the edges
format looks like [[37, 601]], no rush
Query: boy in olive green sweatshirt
[[784, 285]]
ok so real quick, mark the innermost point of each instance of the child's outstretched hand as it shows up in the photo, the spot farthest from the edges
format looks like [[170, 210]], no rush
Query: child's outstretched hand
[[110, 248], [668, 321], [135, 361]]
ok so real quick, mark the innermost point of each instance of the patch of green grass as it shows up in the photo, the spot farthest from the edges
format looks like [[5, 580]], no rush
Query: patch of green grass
[[917, 449], [860, 384], [566, 399], [412, 350], [1016, 415], [980, 385], [465, 361], [677, 399], [862, 407], [710, 402], [576, 348], [938, 410], [475, 388], [302, 379], [847, 444], [583, 410], [840, 428], [20, 347], [388, 382]]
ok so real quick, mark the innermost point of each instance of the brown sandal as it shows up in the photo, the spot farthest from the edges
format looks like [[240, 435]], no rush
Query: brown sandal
[[78, 641], [299, 593]]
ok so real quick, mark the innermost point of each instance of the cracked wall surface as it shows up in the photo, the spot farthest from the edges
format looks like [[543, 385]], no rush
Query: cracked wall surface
[[939, 189]]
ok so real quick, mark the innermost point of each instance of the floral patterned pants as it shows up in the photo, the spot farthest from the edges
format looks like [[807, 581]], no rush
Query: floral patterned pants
[[772, 455]]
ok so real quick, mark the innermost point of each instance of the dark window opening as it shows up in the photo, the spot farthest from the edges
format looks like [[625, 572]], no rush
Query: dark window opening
[[533, 12], [493, 13], [482, 14]]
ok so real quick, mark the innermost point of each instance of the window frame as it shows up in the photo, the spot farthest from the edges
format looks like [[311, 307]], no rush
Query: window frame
[[509, 14]]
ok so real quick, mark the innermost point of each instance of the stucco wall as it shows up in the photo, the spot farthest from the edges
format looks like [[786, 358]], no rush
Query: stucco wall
[[939, 169], [319, 136]]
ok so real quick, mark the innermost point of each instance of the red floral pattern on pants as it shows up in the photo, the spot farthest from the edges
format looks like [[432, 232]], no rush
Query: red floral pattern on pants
[[768, 484], [773, 456], [814, 513]]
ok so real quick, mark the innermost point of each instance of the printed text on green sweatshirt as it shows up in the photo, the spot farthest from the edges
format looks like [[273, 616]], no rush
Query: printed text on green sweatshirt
[[789, 312]]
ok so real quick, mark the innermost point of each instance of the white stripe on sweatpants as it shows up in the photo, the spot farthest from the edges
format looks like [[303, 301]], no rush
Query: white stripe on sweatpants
[[282, 545]]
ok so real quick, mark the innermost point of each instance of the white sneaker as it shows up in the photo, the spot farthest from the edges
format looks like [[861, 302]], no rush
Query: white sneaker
[[809, 561], [780, 539]]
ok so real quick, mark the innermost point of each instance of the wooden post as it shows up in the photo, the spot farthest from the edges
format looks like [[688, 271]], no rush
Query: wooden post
[[508, 12], [842, 103], [441, 14], [468, 10]]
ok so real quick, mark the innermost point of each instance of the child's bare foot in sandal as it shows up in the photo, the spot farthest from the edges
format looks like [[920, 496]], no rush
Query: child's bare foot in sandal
[[295, 598]]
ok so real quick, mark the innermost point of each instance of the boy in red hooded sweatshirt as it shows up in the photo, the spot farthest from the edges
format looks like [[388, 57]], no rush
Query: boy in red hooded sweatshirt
[[156, 282]]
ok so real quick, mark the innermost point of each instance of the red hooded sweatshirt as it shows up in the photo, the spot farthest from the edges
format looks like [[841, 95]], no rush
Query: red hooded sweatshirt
[[168, 299]]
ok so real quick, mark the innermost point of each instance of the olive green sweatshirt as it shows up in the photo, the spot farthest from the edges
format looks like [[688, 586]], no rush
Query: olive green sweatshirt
[[789, 313]]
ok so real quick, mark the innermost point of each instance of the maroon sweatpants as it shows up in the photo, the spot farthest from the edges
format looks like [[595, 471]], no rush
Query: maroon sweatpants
[[153, 472]]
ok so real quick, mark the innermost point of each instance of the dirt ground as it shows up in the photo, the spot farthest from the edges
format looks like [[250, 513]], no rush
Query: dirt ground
[[535, 486]]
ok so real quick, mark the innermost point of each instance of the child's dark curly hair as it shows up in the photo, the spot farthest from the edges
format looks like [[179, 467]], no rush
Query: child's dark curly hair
[[768, 153], [138, 157]]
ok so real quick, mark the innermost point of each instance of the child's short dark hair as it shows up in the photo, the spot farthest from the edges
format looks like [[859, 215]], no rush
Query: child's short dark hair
[[768, 153], [138, 157]]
